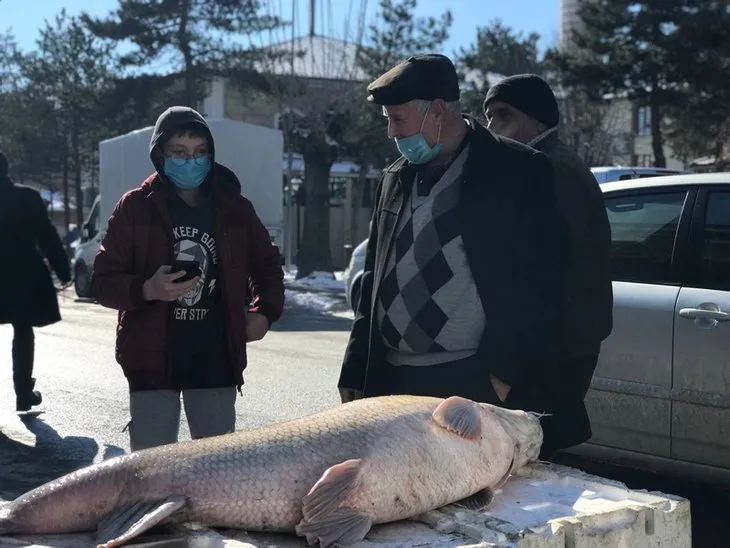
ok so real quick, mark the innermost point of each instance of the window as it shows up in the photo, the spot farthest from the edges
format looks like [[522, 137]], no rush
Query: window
[[657, 174], [645, 160], [643, 121], [643, 228], [93, 224], [715, 266]]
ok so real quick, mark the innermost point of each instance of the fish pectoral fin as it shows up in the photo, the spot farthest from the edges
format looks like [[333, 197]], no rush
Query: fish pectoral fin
[[460, 416], [341, 527], [132, 520], [478, 501], [325, 518], [328, 494]]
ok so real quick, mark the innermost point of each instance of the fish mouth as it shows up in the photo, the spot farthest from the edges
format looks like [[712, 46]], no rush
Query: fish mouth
[[524, 428]]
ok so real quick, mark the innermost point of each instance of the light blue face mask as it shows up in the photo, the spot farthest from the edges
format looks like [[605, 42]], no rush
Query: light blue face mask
[[189, 173], [415, 149]]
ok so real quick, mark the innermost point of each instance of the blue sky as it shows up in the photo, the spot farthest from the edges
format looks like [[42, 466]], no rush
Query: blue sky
[[26, 17]]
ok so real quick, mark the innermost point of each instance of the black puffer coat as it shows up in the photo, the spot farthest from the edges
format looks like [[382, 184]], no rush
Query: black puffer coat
[[27, 294]]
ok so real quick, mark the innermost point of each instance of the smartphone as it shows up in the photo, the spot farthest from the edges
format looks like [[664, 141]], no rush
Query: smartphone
[[191, 269]]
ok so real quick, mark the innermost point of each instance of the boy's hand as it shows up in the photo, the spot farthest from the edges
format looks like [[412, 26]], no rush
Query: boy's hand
[[163, 287], [256, 326]]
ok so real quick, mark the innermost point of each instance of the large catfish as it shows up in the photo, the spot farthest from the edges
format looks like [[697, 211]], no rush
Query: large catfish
[[328, 476]]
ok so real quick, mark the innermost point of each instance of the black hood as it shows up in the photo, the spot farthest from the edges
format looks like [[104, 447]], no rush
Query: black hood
[[167, 125]]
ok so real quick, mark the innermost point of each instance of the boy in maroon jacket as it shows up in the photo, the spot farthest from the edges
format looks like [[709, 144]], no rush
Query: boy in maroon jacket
[[178, 335]]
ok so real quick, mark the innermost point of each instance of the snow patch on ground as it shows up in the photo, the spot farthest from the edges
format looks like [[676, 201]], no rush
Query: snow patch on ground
[[317, 280], [316, 302]]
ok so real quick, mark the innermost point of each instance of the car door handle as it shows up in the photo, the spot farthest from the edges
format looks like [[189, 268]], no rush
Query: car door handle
[[695, 313]]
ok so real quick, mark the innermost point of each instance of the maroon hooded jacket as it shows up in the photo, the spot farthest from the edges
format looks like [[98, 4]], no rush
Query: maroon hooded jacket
[[139, 240]]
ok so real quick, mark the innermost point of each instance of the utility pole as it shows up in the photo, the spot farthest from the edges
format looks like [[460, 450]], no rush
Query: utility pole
[[289, 220], [312, 12]]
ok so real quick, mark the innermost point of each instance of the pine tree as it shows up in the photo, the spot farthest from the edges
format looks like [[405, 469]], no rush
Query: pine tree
[[69, 71], [498, 50], [198, 36], [700, 123], [629, 48]]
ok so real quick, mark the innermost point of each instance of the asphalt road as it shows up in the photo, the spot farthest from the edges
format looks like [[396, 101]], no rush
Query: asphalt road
[[293, 371]]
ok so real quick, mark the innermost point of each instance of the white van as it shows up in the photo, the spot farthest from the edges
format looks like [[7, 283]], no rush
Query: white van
[[86, 250]]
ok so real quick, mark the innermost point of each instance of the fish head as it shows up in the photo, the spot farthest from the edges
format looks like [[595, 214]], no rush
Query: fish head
[[522, 427]]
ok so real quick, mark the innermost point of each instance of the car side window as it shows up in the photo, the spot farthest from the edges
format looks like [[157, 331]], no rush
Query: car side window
[[715, 265], [643, 230]]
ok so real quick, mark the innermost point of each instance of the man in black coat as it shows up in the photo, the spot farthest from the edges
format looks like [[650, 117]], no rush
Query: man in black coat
[[27, 294], [464, 276], [524, 108]]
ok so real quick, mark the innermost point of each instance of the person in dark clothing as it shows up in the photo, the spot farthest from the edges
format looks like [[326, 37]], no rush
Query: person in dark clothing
[[186, 336], [464, 276], [27, 295], [524, 108]]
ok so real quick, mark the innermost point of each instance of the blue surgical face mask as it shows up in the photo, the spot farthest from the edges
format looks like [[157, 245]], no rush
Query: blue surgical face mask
[[415, 149], [187, 173]]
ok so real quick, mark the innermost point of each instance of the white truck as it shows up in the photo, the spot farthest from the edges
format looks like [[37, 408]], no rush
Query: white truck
[[253, 152]]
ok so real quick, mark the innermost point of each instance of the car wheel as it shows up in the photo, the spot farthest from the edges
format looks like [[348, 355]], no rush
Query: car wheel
[[82, 282], [355, 293]]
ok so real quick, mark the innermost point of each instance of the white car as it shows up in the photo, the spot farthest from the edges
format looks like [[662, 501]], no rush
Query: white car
[[660, 396], [353, 274], [89, 242], [608, 174]]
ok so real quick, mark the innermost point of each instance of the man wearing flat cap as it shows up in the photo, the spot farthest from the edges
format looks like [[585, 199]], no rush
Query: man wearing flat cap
[[524, 108], [463, 282]]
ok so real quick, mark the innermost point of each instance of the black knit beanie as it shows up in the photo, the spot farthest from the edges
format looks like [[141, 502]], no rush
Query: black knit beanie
[[528, 93]]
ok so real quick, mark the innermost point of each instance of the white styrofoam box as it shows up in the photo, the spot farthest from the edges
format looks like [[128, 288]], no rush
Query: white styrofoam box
[[543, 506]]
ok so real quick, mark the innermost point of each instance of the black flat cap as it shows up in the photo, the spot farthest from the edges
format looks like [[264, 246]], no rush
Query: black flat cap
[[425, 77]]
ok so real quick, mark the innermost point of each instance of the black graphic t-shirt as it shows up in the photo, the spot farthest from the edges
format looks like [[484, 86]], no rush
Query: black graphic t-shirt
[[199, 351]]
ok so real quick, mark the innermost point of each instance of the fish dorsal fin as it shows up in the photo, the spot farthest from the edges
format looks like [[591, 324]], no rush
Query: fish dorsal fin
[[460, 416]]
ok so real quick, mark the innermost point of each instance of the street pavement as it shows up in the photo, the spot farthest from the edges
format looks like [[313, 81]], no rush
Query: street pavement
[[291, 372]]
